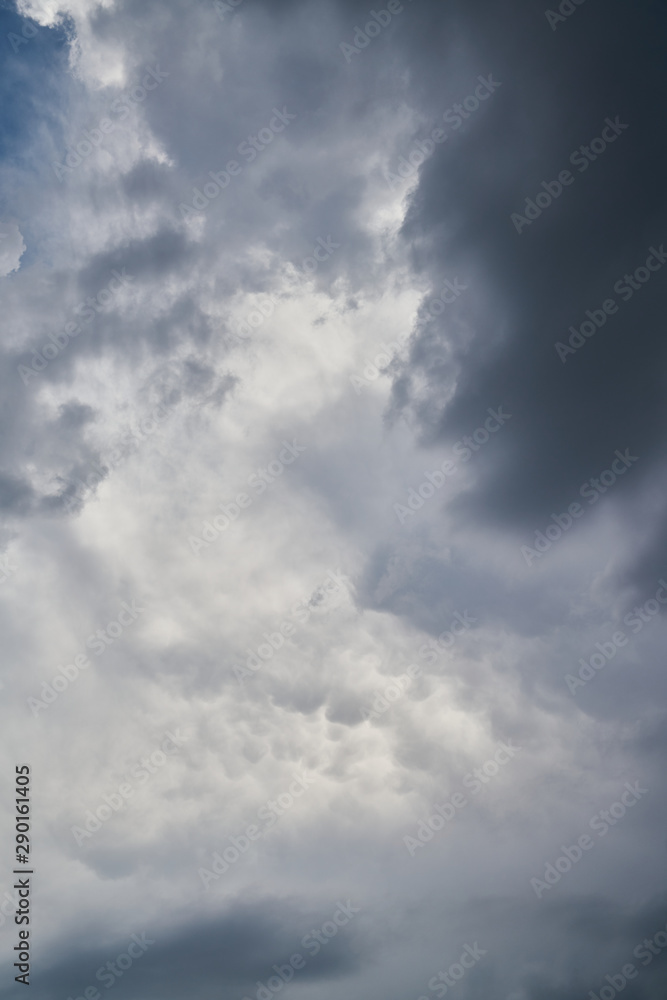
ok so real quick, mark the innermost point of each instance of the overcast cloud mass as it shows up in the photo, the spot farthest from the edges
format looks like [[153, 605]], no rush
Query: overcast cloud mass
[[333, 563]]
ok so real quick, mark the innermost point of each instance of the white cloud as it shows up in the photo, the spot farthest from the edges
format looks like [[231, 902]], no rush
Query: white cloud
[[12, 248]]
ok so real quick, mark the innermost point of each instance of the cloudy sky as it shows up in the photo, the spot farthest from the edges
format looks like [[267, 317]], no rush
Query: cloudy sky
[[332, 477]]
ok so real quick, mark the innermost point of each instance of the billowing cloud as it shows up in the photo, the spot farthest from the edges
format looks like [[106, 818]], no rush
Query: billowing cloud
[[332, 574], [12, 248]]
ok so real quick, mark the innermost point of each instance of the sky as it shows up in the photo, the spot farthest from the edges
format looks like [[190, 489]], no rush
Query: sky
[[333, 553]]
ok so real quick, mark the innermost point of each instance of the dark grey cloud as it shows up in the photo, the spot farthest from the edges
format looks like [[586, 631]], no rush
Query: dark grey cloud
[[570, 417], [226, 955]]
